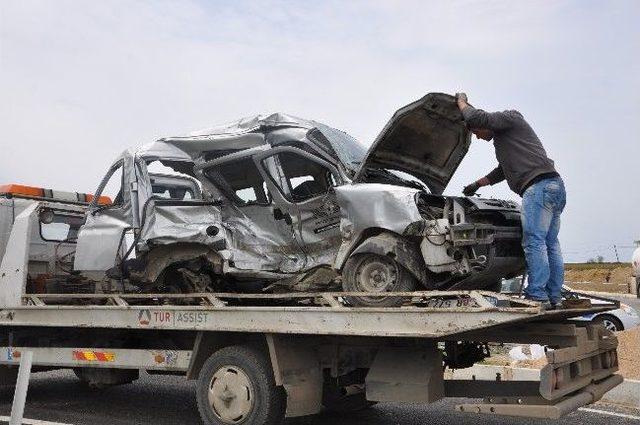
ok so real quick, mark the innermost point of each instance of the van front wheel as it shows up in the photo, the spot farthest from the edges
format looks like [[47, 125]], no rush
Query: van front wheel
[[375, 273]]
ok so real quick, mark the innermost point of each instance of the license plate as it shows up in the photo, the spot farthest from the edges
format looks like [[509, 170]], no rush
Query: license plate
[[452, 303]]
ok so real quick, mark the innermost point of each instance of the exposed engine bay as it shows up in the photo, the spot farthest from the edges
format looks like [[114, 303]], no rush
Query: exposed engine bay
[[468, 240]]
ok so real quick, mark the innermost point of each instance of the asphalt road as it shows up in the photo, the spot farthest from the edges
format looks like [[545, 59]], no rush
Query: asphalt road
[[59, 397]]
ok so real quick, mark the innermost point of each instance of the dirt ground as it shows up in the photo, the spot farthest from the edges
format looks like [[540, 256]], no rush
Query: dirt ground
[[629, 353], [628, 356], [600, 277]]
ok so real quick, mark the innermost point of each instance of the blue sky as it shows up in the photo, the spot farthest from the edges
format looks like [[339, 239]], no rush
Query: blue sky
[[82, 81]]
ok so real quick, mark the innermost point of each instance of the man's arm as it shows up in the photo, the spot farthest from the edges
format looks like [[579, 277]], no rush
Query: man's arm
[[495, 176], [477, 118]]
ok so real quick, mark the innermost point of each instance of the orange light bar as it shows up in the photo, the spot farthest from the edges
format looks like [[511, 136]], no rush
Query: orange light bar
[[38, 192], [103, 200], [18, 189]]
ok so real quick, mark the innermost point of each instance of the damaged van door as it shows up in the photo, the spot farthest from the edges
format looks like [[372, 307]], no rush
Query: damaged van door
[[261, 234], [102, 239], [303, 189]]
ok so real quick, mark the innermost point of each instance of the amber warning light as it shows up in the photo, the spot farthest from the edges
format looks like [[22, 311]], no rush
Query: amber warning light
[[22, 191]]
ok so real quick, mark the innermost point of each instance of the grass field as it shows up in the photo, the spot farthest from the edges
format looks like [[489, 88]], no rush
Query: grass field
[[601, 266]]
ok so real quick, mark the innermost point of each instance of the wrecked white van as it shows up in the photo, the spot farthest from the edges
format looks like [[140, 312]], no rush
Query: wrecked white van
[[279, 203]]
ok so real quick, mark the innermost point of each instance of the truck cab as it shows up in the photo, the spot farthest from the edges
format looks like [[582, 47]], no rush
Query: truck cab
[[52, 244]]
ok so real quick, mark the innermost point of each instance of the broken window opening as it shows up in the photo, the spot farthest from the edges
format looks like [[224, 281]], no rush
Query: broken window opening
[[167, 183], [306, 179], [241, 181], [112, 185]]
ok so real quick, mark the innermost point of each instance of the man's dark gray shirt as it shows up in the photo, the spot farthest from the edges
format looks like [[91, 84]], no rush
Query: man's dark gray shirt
[[521, 156]]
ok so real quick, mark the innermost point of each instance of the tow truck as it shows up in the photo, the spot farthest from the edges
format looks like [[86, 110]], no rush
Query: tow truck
[[258, 358]]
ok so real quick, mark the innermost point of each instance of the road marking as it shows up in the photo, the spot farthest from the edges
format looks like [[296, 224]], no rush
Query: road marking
[[32, 421], [604, 412]]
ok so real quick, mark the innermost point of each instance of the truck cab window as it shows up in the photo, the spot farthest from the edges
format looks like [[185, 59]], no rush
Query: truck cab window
[[241, 181], [306, 178], [60, 226]]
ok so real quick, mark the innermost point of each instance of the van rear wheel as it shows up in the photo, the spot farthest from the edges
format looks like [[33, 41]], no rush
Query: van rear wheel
[[375, 273], [236, 386]]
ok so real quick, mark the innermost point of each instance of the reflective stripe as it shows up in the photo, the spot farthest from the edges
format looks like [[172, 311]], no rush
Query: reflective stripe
[[94, 356]]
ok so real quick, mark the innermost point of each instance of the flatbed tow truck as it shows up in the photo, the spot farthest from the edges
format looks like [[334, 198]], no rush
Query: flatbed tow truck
[[258, 358]]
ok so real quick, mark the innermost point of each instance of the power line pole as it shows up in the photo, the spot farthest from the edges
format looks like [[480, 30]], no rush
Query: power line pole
[[615, 249]]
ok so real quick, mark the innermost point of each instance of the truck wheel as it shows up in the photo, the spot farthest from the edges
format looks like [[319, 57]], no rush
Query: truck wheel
[[236, 386], [375, 273]]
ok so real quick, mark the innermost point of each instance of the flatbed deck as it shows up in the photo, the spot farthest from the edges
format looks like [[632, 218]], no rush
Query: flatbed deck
[[424, 315]]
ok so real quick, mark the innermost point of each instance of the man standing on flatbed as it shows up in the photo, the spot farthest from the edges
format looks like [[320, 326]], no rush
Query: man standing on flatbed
[[524, 164]]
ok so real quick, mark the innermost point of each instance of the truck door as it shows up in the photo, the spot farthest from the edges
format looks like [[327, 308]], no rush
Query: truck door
[[303, 186], [259, 242], [101, 240]]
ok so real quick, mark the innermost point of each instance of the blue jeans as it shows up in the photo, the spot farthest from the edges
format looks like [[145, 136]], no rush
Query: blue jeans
[[542, 204]]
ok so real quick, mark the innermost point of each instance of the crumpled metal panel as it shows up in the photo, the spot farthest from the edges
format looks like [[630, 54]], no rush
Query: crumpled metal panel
[[100, 239], [247, 125], [259, 242], [241, 134], [373, 205], [171, 224], [367, 205]]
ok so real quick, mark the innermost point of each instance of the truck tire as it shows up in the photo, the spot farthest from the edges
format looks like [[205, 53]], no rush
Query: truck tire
[[236, 386], [375, 273]]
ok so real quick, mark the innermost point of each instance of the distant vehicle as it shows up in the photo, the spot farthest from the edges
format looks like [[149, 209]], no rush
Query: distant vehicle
[[625, 317]]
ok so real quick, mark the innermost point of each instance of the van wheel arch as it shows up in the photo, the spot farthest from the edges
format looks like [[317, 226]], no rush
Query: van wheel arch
[[400, 249], [162, 257]]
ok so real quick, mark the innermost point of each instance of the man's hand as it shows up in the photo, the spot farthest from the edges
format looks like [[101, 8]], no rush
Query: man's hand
[[461, 99], [471, 189]]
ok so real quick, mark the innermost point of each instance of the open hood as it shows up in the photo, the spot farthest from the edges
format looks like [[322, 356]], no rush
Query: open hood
[[426, 139]]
